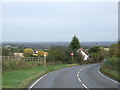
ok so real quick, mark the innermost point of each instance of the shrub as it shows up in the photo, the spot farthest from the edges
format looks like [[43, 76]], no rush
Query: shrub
[[28, 52], [57, 54], [18, 65], [112, 63], [40, 53], [63, 54], [78, 58]]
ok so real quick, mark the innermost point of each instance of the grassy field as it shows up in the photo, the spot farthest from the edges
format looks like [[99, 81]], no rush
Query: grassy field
[[110, 68], [22, 78]]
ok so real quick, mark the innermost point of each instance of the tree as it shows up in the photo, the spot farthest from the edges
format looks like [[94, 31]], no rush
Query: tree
[[103, 54], [7, 52], [40, 53], [75, 44], [94, 49], [114, 50], [28, 52], [59, 54], [94, 53], [98, 53]]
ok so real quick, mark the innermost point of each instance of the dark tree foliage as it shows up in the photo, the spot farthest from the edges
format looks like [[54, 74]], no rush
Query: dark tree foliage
[[114, 50], [57, 53], [7, 51], [10, 51], [94, 50], [75, 44], [63, 55]]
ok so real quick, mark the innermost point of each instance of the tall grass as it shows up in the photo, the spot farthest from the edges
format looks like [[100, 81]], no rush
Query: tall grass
[[111, 68], [112, 63], [18, 65]]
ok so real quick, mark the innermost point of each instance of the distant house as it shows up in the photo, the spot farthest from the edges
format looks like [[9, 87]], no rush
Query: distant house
[[107, 49], [18, 54], [84, 54], [35, 51]]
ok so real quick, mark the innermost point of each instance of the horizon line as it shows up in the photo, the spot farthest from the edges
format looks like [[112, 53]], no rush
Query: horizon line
[[47, 41]]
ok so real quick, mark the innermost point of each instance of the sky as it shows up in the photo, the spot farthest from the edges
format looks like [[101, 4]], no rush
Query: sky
[[59, 21]]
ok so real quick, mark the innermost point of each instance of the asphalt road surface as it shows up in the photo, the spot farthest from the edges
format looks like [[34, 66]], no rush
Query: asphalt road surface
[[83, 76]]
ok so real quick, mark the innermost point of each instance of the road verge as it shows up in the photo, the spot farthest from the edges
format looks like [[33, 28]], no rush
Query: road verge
[[111, 68], [22, 78]]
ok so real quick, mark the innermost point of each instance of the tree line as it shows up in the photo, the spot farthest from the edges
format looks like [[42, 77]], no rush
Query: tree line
[[62, 53]]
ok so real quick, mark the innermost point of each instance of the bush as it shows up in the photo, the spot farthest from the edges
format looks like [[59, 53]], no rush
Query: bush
[[110, 68], [18, 65], [28, 52], [40, 53], [5, 65], [78, 58], [112, 63], [63, 54], [58, 54]]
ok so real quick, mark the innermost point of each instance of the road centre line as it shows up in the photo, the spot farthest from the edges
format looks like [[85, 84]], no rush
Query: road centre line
[[85, 86], [80, 79]]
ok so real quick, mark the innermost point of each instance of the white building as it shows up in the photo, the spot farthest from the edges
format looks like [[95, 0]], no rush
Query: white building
[[18, 54], [84, 54]]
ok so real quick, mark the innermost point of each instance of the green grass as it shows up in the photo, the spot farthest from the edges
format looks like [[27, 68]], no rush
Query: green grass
[[0, 81], [22, 78], [112, 74], [110, 68]]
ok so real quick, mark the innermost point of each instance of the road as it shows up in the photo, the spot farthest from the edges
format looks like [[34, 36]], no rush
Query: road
[[83, 76]]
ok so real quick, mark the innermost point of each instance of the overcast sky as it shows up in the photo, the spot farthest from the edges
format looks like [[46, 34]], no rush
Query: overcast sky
[[46, 22]]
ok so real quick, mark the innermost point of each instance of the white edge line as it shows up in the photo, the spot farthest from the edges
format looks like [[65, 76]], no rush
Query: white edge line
[[40, 79], [107, 77], [36, 81]]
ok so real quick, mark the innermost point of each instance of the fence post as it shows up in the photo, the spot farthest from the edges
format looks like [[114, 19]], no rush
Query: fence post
[[44, 61]]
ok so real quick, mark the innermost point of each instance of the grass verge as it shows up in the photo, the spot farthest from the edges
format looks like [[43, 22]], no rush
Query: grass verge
[[110, 68], [111, 73], [22, 78]]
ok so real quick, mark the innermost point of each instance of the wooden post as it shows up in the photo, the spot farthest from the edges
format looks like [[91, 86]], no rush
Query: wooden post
[[44, 61]]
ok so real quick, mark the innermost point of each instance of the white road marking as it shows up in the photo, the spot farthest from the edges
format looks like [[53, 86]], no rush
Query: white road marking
[[36, 81], [85, 86], [40, 79], [79, 79], [107, 77]]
